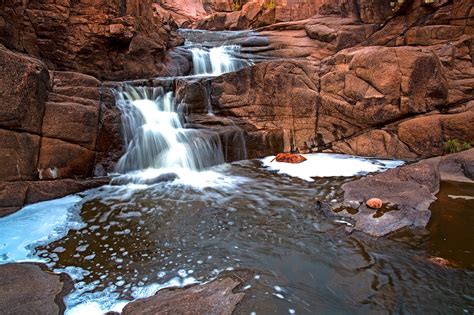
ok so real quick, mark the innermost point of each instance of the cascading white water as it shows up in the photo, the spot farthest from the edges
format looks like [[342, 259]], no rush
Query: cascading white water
[[217, 60], [155, 137]]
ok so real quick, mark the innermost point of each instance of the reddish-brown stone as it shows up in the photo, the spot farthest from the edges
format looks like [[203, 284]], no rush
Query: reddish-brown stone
[[109, 39], [289, 158], [60, 159], [18, 155], [23, 88], [374, 203], [29, 289], [215, 297]]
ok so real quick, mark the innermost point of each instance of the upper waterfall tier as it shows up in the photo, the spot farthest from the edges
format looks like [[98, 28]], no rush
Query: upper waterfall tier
[[212, 54]]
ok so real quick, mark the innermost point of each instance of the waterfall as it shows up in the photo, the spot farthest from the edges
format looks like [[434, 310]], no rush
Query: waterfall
[[217, 60], [155, 137]]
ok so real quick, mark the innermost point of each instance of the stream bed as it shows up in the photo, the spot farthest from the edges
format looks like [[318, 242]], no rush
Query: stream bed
[[120, 243]]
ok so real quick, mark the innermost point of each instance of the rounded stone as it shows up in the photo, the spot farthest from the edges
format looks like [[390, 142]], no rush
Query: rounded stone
[[374, 203]]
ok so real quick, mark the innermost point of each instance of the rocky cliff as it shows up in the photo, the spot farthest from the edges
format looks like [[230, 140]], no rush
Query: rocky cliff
[[113, 39], [397, 89]]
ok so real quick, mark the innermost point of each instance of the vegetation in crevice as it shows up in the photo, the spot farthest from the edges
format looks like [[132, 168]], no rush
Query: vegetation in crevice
[[455, 145]]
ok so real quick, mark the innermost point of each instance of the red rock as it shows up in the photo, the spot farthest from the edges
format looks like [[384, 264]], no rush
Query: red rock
[[215, 297], [28, 288], [52, 189], [67, 159], [374, 203], [289, 158], [442, 262], [93, 37], [18, 155], [24, 84], [63, 120]]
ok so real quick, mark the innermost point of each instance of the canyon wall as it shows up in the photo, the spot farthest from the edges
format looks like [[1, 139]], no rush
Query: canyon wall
[[402, 89], [52, 126], [109, 39]]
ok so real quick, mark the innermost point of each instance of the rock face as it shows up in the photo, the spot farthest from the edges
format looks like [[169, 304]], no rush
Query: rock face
[[409, 189], [106, 38], [49, 125], [404, 100], [215, 297], [27, 289], [258, 13]]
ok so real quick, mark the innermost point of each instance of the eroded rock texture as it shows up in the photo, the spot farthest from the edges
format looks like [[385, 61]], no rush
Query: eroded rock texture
[[409, 189], [49, 126], [404, 99], [103, 38]]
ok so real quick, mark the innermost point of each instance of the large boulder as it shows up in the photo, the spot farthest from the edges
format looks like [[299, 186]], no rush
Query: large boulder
[[16, 194], [29, 289], [215, 297], [375, 85], [279, 97], [60, 159], [408, 191], [49, 130], [421, 136]]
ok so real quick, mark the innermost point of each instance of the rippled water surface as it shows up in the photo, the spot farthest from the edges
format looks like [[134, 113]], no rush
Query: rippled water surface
[[137, 239]]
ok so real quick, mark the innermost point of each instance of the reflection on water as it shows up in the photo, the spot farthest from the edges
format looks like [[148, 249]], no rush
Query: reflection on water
[[136, 239], [451, 226]]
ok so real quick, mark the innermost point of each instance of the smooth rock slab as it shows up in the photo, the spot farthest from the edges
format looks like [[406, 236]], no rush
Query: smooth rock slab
[[28, 289], [215, 297], [409, 189]]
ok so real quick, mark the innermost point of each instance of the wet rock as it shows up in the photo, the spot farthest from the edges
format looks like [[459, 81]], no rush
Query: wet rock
[[29, 289], [14, 195], [374, 203], [52, 189], [127, 179], [269, 100], [215, 297], [289, 158], [442, 262], [409, 189]]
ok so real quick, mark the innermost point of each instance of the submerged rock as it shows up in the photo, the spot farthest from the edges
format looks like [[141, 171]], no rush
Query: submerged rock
[[215, 297], [128, 179], [29, 289]]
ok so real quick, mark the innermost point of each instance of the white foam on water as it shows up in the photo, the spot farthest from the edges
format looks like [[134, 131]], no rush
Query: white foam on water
[[83, 302], [196, 179], [34, 225], [461, 197], [329, 165]]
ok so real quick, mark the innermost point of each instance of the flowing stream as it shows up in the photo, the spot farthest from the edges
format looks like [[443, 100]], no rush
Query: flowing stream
[[178, 215]]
